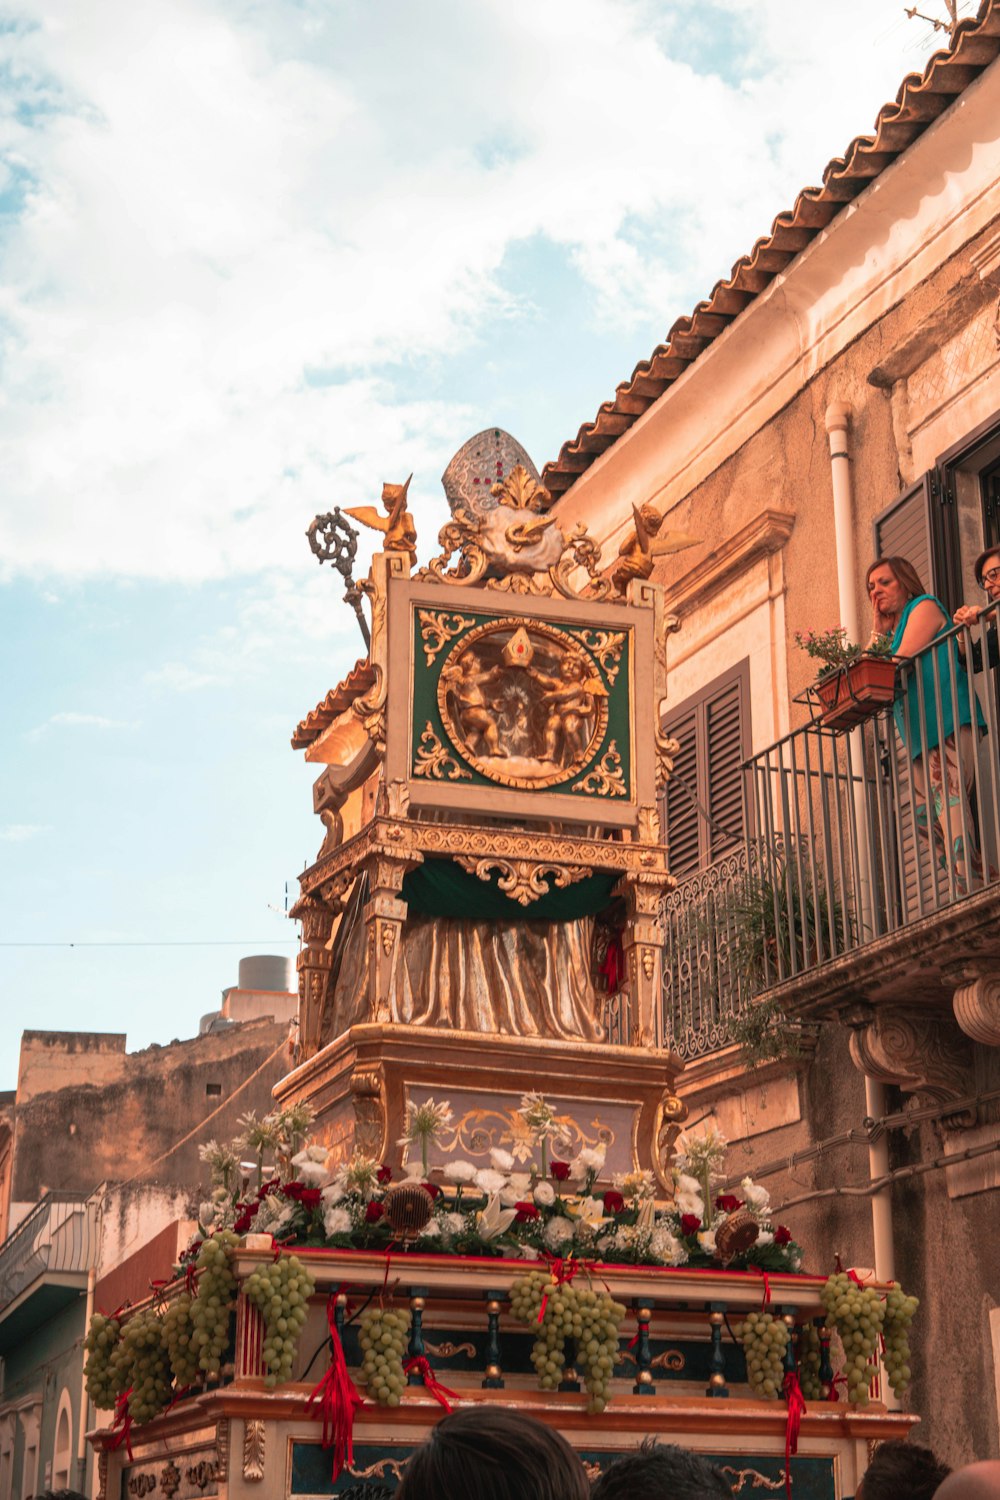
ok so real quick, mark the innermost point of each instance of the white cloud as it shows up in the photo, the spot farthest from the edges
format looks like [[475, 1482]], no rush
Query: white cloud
[[241, 223], [19, 833], [178, 678], [69, 719]]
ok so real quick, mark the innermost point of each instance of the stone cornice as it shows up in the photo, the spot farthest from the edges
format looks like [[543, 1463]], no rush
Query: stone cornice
[[766, 533]]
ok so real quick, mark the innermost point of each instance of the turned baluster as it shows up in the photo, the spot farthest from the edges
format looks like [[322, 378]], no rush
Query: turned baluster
[[416, 1349], [825, 1367], [494, 1376], [643, 1353], [717, 1364]]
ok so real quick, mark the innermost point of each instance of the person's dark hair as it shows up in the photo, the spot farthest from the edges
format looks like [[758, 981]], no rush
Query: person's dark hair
[[980, 562], [494, 1453], [903, 571], [59, 1495], [657, 1470], [902, 1471]]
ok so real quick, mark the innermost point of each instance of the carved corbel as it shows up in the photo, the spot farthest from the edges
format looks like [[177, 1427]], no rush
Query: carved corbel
[[922, 1053], [642, 941], [370, 1118], [671, 1113], [313, 963], [977, 1008], [327, 802], [385, 913]]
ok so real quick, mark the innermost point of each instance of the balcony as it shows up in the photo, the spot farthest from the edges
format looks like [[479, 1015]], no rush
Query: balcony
[[870, 888], [44, 1263]]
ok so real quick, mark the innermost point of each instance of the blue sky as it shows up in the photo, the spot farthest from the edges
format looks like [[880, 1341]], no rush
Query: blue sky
[[254, 259]]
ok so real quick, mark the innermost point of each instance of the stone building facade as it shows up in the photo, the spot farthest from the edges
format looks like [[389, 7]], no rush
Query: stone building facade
[[837, 395]]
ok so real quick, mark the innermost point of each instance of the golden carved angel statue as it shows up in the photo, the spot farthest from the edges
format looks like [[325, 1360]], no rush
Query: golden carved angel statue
[[638, 552], [397, 525]]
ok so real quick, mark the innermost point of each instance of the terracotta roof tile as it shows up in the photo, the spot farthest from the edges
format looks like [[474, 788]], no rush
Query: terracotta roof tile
[[922, 97], [358, 680]]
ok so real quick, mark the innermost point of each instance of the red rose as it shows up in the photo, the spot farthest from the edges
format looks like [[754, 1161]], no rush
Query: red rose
[[384, 1174], [373, 1212], [782, 1235], [728, 1203], [525, 1213], [245, 1218], [690, 1224], [613, 1201], [432, 1188], [309, 1197], [267, 1188], [559, 1170]]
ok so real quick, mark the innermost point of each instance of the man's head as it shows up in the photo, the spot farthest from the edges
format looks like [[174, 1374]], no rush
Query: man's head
[[657, 1471], [494, 1453], [902, 1471]]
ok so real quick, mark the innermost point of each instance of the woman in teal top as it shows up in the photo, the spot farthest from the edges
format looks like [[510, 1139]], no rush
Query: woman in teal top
[[942, 753]]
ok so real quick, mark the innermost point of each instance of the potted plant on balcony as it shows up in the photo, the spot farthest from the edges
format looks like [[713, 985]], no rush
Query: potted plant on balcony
[[854, 681]]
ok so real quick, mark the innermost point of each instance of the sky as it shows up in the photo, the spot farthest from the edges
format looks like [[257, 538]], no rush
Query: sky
[[256, 257]]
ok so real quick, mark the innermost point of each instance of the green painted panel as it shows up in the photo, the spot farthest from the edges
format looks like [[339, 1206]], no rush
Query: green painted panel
[[521, 716]]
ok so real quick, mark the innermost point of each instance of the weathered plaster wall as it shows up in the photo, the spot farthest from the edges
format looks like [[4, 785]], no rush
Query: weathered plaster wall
[[83, 1133]]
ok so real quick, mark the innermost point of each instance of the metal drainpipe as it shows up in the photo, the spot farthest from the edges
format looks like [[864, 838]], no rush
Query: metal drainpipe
[[81, 1442], [838, 421]]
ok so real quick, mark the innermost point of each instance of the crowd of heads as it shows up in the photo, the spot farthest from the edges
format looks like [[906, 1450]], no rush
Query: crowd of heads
[[501, 1453]]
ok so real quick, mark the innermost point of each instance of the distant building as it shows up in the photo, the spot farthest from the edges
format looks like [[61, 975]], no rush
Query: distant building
[[100, 1182]]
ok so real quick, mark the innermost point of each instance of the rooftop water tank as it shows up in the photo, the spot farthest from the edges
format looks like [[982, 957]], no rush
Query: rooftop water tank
[[266, 971]]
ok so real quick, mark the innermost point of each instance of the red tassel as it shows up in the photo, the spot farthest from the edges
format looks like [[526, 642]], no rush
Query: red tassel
[[338, 1399], [423, 1368], [122, 1426], [765, 1300], [796, 1411]]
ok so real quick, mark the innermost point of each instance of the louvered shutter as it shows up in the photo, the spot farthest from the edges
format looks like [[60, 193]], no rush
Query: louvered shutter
[[712, 729], [682, 817], [724, 738]]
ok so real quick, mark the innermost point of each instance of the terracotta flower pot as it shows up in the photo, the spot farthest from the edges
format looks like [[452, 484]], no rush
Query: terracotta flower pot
[[855, 692]]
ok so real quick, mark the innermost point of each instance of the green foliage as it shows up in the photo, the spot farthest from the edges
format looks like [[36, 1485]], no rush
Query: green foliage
[[834, 650]]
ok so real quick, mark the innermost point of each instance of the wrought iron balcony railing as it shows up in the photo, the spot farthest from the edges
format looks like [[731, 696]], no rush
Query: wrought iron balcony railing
[[59, 1235], [855, 836]]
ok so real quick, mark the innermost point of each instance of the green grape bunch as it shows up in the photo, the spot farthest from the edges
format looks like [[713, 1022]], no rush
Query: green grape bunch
[[765, 1340], [178, 1330], [384, 1333], [214, 1303], [141, 1354], [899, 1312], [281, 1290], [810, 1357], [103, 1384], [591, 1318], [858, 1314]]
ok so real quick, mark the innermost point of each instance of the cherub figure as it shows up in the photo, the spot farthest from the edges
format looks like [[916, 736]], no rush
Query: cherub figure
[[569, 704], [467, 681], [397, 525], [638, 552]]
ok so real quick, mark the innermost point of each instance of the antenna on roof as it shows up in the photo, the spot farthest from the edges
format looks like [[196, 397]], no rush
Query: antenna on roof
[[950, 26]]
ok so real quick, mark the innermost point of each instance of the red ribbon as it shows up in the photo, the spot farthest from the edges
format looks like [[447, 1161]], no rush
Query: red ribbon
[[834, 1394], [121, 1427], [337, 1397], [852, 1275], [422, 1367], [796, 1411], [562, 1271], [765, 1300], [191, 1278]]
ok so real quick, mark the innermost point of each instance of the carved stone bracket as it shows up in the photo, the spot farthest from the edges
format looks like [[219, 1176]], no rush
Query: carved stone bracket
[[923, 1053], [371, 1119], [523, 880], [643, 944], [253, 1449], [977, 1008], [671, 1113], [313, 964]]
